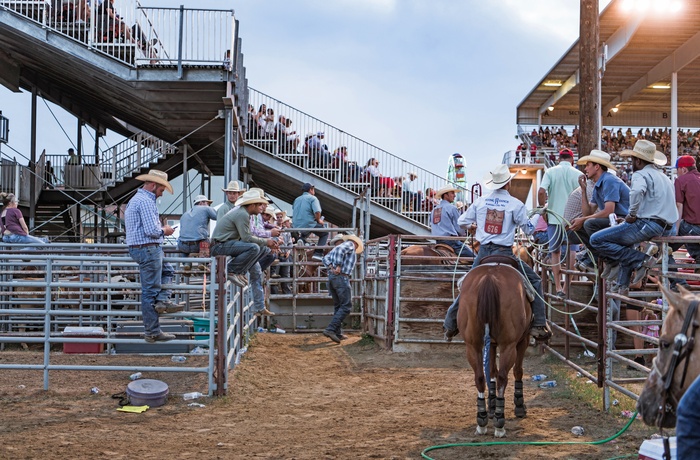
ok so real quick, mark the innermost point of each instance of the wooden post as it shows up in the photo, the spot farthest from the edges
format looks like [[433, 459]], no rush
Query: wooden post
[[589, 85]]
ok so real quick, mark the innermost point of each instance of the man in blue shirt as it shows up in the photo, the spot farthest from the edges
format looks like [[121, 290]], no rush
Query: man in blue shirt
[[194, 226], [306, 213], [144, 236], [443, 221], [340, 262], [610, 195]]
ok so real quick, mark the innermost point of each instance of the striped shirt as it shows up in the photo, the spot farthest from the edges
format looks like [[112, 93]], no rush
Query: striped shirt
[[342, 256], [142, 221]]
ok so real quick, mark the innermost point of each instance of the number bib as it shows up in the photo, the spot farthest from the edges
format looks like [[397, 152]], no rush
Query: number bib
[[494, 221]]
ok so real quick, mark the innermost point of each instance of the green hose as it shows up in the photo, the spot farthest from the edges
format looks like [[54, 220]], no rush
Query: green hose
[[527, 443]]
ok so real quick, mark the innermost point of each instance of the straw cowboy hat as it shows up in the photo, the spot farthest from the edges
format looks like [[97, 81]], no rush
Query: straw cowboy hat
[[232, 187], [336, 239], [412, 173], [250, 197], [159, 177], [498, 178], [597, 156], [270, 212], [360, 247], [645, 150], [200, 198], [445, 189]]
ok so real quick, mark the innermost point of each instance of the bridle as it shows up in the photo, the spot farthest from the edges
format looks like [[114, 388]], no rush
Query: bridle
[[683, 345]]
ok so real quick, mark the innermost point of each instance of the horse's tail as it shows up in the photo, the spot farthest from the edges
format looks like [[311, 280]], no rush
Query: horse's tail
[[488, 302]]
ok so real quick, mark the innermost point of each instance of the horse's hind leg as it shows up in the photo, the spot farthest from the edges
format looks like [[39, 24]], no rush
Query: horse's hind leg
[[474, 356], [505, 365], [493, 372], [520, 409]]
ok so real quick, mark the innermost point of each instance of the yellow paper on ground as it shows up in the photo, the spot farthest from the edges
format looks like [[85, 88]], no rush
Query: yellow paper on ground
[[134, 409]]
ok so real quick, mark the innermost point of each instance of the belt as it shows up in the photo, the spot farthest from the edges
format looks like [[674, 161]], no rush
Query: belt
[[139, 246], [661, 222], [341, 274], [497, 245]]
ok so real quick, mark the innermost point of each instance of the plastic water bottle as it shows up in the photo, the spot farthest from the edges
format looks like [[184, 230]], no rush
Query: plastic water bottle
[[135, 376], [178, 359], [613, 219], [94, 390], [192, 395], [538, 377], [577, 430], [548, 384]]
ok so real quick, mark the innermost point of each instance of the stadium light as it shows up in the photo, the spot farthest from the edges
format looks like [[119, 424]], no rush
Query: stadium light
[[615, 109], [554, 83], [661, 86], [550, 108]]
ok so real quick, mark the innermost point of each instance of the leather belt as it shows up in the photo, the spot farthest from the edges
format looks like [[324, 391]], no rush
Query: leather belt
[[497, 245], [661, 222], [139, 246]]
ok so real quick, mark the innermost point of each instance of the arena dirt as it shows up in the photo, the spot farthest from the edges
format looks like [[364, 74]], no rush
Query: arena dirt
[[294, 396]]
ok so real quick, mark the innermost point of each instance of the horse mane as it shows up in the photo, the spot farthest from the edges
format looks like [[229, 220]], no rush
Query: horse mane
[[488, 301]]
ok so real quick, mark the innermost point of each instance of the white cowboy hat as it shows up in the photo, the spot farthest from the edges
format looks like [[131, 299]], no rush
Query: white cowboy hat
[[336, 239], [159, 177], [645, 150], [232, 187], [597, 156], [250, 197], [270, 212], [412, 173], [200, 198], [358, 242], [498, 178], [445, 189]]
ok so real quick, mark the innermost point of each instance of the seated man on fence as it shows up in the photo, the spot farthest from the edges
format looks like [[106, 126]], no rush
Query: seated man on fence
[[443, 222], [306, 212], [194, 228], [495, 218]]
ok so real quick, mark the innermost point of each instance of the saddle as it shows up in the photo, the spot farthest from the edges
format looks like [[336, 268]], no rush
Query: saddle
[[511, 262], [443, 250]]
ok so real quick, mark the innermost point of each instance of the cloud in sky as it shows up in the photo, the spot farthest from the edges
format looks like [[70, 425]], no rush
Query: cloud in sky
[[421, 79]]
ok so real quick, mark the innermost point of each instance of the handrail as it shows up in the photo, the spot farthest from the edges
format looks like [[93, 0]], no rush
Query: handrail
[[137, 35], [349, 174]]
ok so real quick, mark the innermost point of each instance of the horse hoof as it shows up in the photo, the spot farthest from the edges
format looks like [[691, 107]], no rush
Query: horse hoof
[[520, 412], [481, 429], [499, 433]]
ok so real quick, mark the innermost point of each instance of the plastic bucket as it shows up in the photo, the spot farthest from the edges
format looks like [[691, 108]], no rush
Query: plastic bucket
[[147, 392], [200, 325]]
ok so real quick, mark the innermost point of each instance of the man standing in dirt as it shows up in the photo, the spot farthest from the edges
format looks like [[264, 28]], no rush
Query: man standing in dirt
[[340, 262], [144, 236]]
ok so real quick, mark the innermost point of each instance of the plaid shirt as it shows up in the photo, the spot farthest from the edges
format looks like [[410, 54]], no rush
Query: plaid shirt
[[141, 220], [342, 256]]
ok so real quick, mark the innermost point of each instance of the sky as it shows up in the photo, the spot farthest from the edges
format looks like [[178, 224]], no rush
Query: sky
[[421, 79]]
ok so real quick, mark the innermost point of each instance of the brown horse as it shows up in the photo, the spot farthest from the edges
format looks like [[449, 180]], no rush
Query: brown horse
[[494, 296], [430, 254], [675, 367]]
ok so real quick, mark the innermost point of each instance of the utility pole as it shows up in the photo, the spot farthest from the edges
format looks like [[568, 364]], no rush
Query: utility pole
[[589, 86]]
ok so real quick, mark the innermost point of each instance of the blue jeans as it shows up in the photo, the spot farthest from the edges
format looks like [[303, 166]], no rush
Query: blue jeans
[[322, 237], [488, 249], [339, 287], [153, 273], [256, 277], [688, 422], [686, 229], [24, 239], [461, 249], [616, 244], [590, 227], [188, 247], [243, 255]]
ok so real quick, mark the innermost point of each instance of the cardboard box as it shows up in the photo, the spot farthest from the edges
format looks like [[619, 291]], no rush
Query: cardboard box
[[134, 330], [83, 332]]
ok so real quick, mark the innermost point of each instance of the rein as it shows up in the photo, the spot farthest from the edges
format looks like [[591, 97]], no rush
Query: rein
[[683, 345]]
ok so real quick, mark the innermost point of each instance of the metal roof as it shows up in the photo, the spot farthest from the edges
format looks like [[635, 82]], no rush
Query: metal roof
[[641, 49]]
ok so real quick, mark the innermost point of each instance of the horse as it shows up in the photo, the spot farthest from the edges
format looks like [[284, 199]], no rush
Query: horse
[[431, 254], [500, 303], [674, 368]]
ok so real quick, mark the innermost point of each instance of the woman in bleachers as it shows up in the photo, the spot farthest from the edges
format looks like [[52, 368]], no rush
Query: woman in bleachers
[[292, 136], [260, 120], [269, 127]]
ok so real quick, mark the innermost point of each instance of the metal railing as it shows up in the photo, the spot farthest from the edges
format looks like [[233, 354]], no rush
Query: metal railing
[[137, 35], [345, 158]]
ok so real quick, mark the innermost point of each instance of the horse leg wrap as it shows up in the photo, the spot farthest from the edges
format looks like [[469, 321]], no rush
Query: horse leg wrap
[[520, 409], [499, 417], [481, 415], [492, 398]]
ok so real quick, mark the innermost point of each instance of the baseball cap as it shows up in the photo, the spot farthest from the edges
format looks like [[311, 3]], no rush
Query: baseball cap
[[566, 153], [686, 161], [306, 187]]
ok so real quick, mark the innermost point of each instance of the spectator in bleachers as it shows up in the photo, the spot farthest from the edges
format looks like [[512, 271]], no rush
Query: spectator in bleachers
[[252, 126], [520, 153], [77, 11], [373, 175], [292, 136], [319, 155], [431, 200], [350, 171], [260, 120], [269, 126], [412, 195], [110, 27]]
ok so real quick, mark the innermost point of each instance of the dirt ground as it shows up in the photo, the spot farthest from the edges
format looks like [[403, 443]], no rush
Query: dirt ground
[[296, 396]]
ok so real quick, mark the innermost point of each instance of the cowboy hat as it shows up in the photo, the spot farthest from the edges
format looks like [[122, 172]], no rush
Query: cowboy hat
[[232, 187], [498, 178], [412, 173], [445, 189], [336, 239], [250, 197], [357, 241], [645, 150], [159, 177], [270, 212], [597, 156], [200, 198]]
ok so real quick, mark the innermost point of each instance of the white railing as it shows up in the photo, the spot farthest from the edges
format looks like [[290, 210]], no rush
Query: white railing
[[351, 173], [138, 35]]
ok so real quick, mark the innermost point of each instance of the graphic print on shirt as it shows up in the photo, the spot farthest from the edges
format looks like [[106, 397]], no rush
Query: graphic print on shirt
[[437, 215], [494, 221]]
